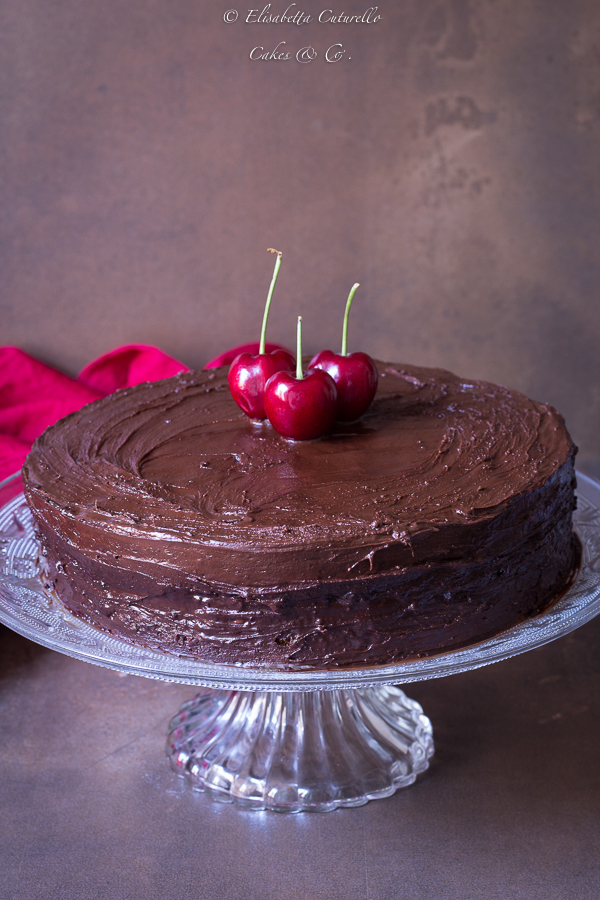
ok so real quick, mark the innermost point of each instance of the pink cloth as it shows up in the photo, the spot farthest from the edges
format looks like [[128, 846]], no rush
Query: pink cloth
[[127, 366], [34, 395]]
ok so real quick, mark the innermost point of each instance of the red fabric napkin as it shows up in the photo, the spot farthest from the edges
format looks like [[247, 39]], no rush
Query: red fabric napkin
[[34, 395]]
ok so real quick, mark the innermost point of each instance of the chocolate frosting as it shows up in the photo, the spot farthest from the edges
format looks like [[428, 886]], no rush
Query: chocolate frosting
[[163, 502]]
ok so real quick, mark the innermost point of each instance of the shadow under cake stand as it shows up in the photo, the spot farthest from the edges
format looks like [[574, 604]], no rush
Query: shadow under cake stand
[[268, 738]]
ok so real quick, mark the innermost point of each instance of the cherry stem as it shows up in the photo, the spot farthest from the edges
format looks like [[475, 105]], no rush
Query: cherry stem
[[263, 331], [299, 375], [346, 315]]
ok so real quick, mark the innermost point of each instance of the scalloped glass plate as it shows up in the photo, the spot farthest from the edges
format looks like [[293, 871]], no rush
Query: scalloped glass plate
[[28, 608]]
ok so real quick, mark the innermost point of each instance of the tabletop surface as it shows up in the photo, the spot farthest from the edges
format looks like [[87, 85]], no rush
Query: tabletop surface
[[509, 808]]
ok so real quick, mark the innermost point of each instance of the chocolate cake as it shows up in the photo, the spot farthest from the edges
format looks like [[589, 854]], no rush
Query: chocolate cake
[[441, 517]]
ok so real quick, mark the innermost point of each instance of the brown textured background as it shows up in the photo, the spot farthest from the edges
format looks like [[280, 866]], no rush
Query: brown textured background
[[450, 166]]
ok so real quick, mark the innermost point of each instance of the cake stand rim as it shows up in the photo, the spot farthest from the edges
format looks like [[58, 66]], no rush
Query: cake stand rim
[[107, 651]]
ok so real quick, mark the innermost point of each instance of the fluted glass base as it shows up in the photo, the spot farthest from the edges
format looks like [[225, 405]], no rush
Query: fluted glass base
[[295, 751]]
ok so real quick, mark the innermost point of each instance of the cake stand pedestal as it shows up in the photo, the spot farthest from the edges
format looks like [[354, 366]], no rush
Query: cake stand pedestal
[[294, 751], [285, 739]]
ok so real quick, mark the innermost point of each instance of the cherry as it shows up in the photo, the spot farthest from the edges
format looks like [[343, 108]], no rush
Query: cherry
[[301, 407], [355, 375], [249, 374]]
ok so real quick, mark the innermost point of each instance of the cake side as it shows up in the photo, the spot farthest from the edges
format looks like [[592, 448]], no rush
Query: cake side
[[441, 517]]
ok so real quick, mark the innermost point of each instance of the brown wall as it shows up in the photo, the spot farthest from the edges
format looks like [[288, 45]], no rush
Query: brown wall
[[451, 166]]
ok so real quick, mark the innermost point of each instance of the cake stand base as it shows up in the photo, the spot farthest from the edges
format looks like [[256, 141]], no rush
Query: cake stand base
[[300, 751]]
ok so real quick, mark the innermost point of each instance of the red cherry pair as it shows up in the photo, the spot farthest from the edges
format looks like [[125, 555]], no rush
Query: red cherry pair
[[335, 386], [303, 407]]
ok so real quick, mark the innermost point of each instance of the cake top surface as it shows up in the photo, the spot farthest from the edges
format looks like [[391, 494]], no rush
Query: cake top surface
[[177, 458]]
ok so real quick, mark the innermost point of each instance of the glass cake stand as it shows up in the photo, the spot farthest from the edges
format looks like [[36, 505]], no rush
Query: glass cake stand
[[284, 739]]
